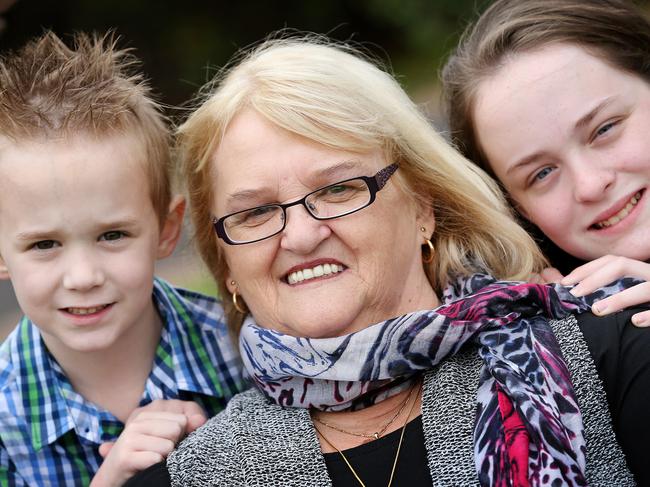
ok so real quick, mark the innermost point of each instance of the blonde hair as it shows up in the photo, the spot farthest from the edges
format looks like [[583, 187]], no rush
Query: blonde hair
[[613, 30], [50, 90], [331, 94]]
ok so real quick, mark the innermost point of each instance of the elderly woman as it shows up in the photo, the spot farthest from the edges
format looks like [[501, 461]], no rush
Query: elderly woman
[[347, 237]]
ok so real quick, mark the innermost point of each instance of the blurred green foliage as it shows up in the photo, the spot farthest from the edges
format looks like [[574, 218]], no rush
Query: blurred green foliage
[[178, 40]]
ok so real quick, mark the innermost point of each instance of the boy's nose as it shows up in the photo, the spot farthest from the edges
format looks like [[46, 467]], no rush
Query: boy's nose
[[83, 274]]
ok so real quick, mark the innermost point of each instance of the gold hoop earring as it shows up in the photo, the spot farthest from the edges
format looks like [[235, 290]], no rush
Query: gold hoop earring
[[235, 303], [427, 257]]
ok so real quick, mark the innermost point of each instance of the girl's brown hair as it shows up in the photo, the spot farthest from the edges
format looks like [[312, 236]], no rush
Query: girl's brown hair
[[612, 30]]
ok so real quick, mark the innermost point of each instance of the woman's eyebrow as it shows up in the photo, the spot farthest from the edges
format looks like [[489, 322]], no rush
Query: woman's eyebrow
[[253, 194], [243, 194], [341, 167]]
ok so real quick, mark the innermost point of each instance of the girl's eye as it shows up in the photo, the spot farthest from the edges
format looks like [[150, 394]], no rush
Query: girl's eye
[[607, 130], [540, 175], [604, 129], [45, 245], [112, 235]]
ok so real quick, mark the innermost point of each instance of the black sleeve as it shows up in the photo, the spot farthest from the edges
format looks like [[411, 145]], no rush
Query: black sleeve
[[621, 352], [155, 476]]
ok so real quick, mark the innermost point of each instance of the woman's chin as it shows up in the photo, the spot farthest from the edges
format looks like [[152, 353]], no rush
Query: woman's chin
[[323, 325]]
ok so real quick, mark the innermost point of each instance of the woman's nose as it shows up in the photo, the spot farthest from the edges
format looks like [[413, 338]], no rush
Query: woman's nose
[[83, 272], [303, 233]]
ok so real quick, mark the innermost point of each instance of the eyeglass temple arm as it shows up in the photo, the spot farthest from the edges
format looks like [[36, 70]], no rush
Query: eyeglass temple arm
[[384, 175]]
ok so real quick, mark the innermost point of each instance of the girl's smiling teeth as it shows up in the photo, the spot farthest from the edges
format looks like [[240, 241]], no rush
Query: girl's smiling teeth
[[86, 311], [313, 272], [621, 214]]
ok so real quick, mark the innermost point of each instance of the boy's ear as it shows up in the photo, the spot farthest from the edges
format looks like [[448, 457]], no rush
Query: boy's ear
[[171, 230], [4, 272]]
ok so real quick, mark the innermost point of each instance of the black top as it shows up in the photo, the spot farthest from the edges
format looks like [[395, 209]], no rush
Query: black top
[[621, 353], [373, 461]]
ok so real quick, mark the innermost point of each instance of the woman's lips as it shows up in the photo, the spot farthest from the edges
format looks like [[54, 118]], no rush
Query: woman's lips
[[621, 214], [322, 268]]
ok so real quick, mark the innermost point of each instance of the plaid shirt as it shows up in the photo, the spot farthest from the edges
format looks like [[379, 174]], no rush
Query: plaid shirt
[[50, 434]]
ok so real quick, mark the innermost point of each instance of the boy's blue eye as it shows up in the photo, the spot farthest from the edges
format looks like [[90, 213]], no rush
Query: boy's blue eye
[[45, 245], [112, 235]]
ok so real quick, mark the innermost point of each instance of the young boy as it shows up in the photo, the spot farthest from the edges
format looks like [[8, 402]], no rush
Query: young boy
[[85, 211]]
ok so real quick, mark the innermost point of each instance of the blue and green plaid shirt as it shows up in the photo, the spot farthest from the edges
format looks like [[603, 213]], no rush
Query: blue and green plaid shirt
[[50, 434]]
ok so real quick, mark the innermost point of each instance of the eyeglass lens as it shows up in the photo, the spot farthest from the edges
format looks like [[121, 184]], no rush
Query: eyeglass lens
[[330, 202]]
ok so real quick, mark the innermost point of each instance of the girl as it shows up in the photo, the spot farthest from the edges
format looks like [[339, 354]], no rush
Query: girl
[[552, 97]]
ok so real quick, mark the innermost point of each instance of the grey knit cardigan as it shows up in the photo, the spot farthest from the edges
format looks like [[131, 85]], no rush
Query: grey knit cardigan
[[256, 443]]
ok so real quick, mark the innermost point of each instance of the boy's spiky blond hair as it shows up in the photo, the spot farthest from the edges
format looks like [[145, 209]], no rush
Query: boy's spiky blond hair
[[51, 91]]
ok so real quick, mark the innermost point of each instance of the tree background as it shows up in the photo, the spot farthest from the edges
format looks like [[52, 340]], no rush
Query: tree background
[[178, 40]]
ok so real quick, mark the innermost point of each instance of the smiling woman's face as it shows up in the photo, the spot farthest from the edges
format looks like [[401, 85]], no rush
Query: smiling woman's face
[[376, 250], [567, 135]]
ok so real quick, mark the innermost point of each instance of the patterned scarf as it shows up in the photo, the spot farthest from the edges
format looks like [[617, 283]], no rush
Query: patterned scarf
[[528, 428]]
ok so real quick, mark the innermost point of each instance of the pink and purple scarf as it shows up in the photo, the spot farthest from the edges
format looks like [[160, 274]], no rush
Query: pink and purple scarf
[[528, 428]]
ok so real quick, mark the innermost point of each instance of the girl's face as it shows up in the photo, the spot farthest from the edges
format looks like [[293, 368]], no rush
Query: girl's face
[[568, 136]]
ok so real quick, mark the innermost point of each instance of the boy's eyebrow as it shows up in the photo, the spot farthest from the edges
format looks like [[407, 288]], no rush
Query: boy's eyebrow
[[123, 222], [49, 234], [36, 235]]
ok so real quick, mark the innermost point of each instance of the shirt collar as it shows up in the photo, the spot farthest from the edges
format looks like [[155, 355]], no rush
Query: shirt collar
[[182, 346]]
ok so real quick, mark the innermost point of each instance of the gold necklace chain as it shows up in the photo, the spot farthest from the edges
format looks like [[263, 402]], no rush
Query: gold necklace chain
[[378, 433], [399, 446]]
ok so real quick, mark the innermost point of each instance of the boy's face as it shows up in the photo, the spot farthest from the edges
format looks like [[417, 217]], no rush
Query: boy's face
[[79, 237]]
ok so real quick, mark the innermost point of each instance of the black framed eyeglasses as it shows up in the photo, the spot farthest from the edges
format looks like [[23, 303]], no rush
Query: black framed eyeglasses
[[326, 203]]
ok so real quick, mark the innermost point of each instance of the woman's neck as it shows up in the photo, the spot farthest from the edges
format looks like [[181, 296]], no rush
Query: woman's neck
[[338, 426]]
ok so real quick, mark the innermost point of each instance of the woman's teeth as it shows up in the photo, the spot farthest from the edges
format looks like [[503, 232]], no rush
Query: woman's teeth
[[318, 271], [85, 311], [621, 214]]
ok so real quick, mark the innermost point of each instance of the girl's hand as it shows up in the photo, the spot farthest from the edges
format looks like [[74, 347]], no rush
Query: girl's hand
[[547, 276], [604, 270]]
